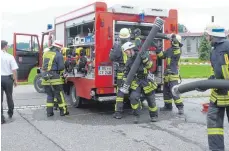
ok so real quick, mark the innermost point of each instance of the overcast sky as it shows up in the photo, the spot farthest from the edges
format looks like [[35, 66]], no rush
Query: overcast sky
[[32, 16]]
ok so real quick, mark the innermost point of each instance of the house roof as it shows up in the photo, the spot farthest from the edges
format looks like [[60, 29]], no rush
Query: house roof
[[190, 34]]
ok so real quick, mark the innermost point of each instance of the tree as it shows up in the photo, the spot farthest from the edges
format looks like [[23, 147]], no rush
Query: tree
[[204, 49], [182, 28]]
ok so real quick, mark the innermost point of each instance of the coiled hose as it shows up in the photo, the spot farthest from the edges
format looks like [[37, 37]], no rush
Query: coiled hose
[[201, 84]]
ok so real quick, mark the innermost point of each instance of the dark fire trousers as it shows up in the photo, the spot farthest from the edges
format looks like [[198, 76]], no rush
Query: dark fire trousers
[[169, 97], [7, 87], [148, 88], [215, 121], [58, 94]]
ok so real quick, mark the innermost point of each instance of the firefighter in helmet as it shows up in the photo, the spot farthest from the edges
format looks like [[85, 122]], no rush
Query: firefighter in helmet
[[171, 75], [119, 58], [141, 82], [219, 99], [55, 100], [53, 80]]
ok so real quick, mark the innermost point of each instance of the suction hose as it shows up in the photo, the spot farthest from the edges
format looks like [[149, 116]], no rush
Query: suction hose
[[158, 23], [202, 85]]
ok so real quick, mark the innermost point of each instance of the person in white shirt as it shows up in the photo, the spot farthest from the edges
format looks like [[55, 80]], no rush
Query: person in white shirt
[[8, 78]]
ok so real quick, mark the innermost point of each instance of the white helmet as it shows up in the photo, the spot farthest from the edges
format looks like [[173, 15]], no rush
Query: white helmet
[[178, 37], [58, 44], [215, 30], [127, 45], [124, 33], [46, 49]]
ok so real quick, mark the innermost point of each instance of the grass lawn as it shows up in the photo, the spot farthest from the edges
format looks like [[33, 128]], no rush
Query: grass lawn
[[195, 71], [192, 60]]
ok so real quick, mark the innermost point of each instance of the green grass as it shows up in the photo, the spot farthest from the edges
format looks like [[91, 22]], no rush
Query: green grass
[[195, 71], [192, 60]]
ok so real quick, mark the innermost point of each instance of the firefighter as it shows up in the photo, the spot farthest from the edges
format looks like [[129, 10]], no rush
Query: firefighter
[[141, 83], [171, 75], [119, 57], [53, 67], [219, 99], [55, 100]]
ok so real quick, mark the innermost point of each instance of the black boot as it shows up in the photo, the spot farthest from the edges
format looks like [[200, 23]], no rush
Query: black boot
[[153, 116], [50, 114], [55, 106], [62, 113], [180, 110], [136, 119], [49, 111], [117, 115], [167, 107], [3, 120]]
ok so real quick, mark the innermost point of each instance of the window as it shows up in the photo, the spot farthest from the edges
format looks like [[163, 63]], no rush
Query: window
[[188, 44]]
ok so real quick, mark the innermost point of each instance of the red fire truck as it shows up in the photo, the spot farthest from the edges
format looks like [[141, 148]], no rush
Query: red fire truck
[[95, 28]]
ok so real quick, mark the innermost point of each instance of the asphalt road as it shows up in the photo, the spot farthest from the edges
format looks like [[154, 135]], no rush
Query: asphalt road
[[92, 127]]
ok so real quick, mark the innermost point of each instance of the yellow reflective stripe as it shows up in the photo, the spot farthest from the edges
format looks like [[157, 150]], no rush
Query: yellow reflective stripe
[[154, 109], [222, 100], [150, 87], [168, 60], [63, 103], [215, 131], [119, 99], [176, 52], [52, 82], [134, 85], [49, 55], [145, 60], [145, 71], [171, 77], [178, 101], [120, 75], [135, 106], [55, 100], [168, 101], [49, 104], [124, 56], [160, 54], [166, 78], [225, 70], [149, 64], [226, 59]]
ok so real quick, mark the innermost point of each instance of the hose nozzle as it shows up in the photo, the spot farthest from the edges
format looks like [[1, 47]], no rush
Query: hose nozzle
[[175, 91]]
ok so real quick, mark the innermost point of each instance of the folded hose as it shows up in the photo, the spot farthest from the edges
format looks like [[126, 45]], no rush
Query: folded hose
[[201, 84]]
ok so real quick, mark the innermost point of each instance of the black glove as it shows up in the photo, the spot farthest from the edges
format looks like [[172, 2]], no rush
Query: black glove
[[144, 55]]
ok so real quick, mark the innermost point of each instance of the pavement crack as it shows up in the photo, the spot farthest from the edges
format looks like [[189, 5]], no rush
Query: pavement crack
[[176, 135], [152, 148], [30, 123]]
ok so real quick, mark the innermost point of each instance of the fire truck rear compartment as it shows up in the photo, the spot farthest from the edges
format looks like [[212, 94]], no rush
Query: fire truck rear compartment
[[145, 29]]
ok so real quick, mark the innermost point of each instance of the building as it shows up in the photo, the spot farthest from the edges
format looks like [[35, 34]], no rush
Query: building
[[191, 43]]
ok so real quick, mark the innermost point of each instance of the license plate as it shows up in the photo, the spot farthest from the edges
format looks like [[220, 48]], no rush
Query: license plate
[[105, 70]]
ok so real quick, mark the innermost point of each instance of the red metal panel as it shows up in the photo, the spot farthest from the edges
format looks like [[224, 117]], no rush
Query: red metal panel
[[103, 42], [83, 86], [105, 90]]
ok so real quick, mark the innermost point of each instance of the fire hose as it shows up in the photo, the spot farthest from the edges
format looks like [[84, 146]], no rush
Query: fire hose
[[201, 85], [158, 23]]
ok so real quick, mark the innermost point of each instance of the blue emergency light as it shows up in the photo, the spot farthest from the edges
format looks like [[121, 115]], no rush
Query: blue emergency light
[[142, 16], [49, 26]]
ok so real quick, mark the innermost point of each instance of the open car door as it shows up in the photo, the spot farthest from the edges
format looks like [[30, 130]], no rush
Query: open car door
[[26, 52]]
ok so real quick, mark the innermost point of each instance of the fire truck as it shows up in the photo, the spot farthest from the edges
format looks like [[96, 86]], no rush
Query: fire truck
[[94, 28]]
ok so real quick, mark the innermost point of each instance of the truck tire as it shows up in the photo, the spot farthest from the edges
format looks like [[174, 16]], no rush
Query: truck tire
[[37, 84], [75, 100]]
